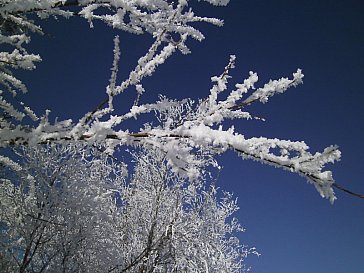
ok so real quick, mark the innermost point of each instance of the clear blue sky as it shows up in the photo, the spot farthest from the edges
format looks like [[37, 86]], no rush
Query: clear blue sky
[[295, 230]]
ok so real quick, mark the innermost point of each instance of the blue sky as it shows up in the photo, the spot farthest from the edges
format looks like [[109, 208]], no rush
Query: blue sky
[[294, 229]]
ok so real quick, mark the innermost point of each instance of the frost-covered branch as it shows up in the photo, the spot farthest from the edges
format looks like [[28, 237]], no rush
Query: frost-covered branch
[[161, 19], [186, 128], [179, 143]]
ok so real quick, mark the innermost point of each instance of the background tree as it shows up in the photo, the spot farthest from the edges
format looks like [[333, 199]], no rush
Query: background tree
[[55, 209], [70, 209]]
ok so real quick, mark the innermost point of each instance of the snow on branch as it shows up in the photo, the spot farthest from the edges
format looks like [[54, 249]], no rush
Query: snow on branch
[[274, 87], [161, 19], [188, 135]]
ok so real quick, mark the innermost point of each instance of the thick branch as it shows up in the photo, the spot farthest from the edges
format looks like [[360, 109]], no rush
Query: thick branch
[[138, 136]]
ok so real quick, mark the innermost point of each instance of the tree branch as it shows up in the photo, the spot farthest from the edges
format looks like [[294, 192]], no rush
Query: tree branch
[[347, 191], [139, 136]]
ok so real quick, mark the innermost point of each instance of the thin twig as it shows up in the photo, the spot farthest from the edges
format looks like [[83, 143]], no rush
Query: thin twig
[[347, 191]]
